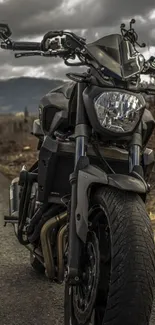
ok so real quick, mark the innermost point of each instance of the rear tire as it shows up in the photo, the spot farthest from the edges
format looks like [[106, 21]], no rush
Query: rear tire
[[132, 275]]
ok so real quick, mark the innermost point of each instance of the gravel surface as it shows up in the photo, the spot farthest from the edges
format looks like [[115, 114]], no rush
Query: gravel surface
[[26, 298]]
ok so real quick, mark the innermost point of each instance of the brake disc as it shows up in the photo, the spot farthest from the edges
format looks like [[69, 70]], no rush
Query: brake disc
[[84, 294]]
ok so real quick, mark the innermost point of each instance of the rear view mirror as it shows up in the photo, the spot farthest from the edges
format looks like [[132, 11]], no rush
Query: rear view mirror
[[5, 31]]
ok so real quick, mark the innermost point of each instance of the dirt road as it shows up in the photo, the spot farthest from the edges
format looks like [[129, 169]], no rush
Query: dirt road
[[25, 298]]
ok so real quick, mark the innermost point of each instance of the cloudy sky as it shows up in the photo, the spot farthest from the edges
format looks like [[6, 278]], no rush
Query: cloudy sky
[[30, 19]]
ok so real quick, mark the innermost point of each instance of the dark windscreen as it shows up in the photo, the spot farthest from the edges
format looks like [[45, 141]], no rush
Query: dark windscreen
[[115, 55]]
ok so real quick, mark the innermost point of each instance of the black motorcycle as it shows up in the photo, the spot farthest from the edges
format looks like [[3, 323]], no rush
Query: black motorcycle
[[80, 209]]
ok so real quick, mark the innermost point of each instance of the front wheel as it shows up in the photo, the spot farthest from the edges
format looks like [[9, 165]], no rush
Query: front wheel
[[123, 238]]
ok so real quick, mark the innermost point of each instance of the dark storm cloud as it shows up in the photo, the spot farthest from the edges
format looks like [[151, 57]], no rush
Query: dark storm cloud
[[17, 13], [30, 18]]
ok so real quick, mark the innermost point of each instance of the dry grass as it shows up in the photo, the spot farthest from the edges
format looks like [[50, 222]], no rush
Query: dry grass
[[15, 137]]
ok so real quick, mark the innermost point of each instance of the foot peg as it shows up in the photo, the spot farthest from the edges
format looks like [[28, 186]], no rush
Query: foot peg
[[10, 219]]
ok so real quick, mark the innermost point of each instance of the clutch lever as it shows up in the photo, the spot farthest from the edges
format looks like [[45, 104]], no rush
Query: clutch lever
[[60, 53], [19, 55]]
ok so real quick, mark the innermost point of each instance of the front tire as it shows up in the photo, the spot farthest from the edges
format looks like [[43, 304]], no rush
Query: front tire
[[131, 274]]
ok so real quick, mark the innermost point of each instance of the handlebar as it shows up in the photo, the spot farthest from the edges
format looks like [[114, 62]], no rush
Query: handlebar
[[72, 42], [67, 47]]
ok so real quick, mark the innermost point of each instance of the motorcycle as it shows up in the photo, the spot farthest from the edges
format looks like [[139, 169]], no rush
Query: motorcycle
[[80, 209]]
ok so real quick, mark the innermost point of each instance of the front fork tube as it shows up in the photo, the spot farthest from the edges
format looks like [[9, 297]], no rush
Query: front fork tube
[[74, 241], [134, 157], [81, 148], [135, 152], [75, 244]]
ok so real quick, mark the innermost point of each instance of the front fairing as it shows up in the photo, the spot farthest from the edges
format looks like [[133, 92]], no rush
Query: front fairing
[[115, 56]]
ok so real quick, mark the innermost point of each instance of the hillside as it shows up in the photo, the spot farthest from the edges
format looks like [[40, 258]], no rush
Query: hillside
[[17, 93]]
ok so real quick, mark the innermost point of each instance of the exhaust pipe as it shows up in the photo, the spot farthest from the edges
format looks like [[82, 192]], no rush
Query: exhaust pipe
[[46, 230], [60, 252]]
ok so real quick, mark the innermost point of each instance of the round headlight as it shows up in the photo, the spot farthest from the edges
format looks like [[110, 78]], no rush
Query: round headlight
[[118, 111]]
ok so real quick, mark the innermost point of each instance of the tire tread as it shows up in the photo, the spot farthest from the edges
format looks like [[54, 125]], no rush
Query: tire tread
[[133, 258]]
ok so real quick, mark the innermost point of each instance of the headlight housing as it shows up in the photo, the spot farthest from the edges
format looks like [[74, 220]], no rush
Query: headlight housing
[[118, 111]]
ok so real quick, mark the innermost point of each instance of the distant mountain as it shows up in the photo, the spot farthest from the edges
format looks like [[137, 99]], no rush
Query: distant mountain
[[17, 93]]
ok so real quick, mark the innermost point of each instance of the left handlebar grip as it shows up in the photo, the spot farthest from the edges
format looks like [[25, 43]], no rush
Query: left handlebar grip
[[26, 46], [21, 46]]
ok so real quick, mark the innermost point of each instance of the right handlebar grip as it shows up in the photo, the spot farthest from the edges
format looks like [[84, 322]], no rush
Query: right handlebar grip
[[26, 46]]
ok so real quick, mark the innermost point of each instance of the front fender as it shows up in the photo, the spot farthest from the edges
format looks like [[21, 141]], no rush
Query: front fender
[[91, 175]]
